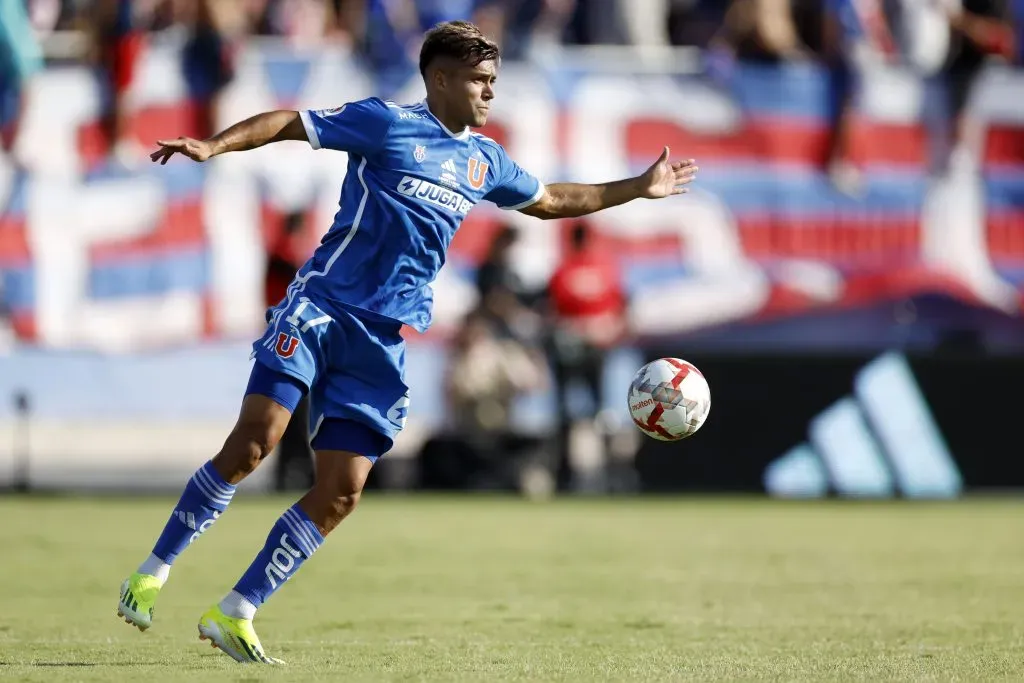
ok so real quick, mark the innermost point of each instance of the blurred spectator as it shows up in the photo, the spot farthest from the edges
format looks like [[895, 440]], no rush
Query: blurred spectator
[[496, 268], [20, 59], [485, 375], [646, 22], [1017, 17], [118, 44], [345, 21], [979, 29], [504, 299], [480, 448], [532, 25], [294, 467], [588, 307], [855, 32], [301, 22], [207, 64], [394, 32], [45, 14], [7, 335], [761, 30], [595, 22], [695, 22]]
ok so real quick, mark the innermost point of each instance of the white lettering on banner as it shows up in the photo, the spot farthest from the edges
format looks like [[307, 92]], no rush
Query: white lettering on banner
[[724, 284], [66, 220], [67, 217]]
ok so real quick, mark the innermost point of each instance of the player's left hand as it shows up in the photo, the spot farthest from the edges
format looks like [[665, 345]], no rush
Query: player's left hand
[[665, 178], [196, 150]]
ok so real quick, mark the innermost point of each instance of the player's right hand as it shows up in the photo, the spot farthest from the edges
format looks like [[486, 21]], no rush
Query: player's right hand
[[196, 150]]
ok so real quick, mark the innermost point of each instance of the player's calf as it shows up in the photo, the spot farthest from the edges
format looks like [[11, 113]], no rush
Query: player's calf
[[340, 477], [300, 531]]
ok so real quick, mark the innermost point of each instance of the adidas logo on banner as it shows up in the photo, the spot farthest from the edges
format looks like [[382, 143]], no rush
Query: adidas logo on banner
[[878, 443]]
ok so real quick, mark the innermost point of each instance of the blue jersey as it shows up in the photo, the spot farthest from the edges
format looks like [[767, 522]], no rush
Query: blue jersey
[[409, 184]]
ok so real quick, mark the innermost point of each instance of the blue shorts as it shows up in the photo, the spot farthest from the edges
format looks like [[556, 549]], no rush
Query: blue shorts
[[353, 368]]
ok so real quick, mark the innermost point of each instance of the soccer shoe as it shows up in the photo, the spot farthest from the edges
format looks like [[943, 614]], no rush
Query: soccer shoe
[[235, 637], [138, 595]]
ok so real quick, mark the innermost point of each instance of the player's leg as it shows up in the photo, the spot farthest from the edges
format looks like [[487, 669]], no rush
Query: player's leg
[[359, 406], [341, 473], [287, 361], [266, 409]]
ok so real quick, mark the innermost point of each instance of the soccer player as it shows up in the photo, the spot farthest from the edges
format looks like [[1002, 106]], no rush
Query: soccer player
[[414, 172]]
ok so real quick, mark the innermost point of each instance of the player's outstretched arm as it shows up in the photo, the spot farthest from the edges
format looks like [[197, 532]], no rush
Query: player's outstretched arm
[[256, 131], [569, 200]]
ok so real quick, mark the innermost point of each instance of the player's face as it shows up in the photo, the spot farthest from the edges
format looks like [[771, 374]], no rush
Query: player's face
[[472, 92]]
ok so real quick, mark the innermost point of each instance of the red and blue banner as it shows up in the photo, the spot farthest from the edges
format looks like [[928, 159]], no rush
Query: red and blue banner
[[97, 252]]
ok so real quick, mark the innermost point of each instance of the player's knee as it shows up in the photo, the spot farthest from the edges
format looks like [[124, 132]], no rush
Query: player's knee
[[338, 498], [341, 504], [249, 443]]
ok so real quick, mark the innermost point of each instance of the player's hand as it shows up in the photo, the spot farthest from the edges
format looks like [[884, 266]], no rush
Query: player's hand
[[196, 150], [665, 178]]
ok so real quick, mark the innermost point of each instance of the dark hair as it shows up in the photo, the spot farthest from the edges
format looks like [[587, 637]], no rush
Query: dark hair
[[459, 40]]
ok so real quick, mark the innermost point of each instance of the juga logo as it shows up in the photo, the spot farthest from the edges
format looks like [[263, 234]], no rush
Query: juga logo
[[435, 194]]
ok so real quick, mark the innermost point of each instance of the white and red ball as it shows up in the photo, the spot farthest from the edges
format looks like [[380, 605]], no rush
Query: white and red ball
[[669, 399]]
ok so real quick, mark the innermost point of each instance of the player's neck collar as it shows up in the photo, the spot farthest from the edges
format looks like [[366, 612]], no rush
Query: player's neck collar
[[458, 136]]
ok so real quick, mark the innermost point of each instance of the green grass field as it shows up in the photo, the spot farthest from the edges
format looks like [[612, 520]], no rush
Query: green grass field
[[477, 589]]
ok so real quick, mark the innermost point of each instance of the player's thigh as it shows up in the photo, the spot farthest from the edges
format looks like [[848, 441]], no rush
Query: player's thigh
[[271, 398], [350, 436], [295, 345], [366, 387]]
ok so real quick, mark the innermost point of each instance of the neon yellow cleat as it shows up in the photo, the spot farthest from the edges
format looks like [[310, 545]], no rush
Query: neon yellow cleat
[[235, 637], [138, 595]]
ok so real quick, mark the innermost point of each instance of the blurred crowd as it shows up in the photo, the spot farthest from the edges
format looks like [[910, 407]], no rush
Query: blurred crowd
[[946, 38], [949, 39]]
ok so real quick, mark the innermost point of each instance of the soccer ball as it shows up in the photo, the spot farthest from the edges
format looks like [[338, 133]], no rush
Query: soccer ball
[[669, 399]]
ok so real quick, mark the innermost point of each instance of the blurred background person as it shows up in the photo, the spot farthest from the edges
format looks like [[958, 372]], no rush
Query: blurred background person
[[117, 45], [587, 308], [285, 251], [979, 29], [503, 297], [6, 323], [21, 58], [394, 30], [480, 446], [856, 34], [207, 61], [761, 31], [495, 360]]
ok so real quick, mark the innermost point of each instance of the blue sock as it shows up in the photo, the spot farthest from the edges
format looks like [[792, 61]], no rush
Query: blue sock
[[292, 541], [206, 496]]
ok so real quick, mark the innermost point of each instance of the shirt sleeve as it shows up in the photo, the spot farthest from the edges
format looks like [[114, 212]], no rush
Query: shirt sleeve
[[358, 127], [515, 189]]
